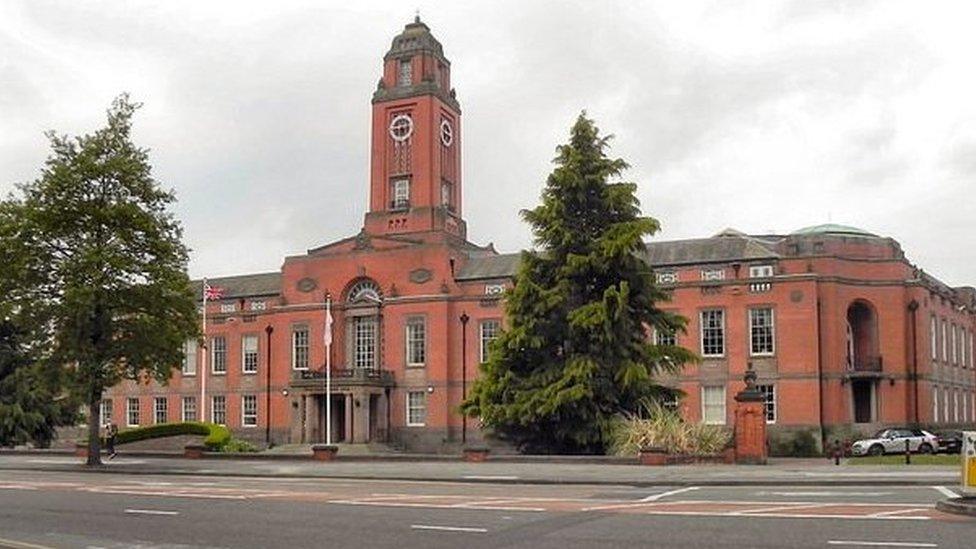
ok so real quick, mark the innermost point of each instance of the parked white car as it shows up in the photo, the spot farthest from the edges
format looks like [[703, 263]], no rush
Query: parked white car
[[892, 441]]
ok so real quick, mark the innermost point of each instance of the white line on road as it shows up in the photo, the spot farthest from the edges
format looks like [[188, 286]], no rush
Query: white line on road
[[882, 543], [22, 544], [945, 491], [448, 528], [490, 477], [897, 512], [823, 494], [150, 512], [656, 497]]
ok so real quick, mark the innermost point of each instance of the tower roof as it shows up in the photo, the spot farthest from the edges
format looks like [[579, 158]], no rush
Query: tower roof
[[832, 228], [416, 36]]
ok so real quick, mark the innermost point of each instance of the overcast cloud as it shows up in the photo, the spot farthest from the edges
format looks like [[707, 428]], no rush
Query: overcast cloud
[[765, 117]]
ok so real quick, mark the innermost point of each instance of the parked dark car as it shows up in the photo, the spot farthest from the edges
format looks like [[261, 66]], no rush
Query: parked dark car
[[950, 442]]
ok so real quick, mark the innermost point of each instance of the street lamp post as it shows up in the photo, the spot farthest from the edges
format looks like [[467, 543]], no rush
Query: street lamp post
[[267, 402], [464, 373]]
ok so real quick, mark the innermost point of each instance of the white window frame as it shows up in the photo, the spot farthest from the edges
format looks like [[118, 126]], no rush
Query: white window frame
[[712, 274], [955, 343], [955, 405], [667, 277], [400, 191], [761, 271], [223, 409], [222, 349], [772, 332], [484, 339], [703, 328], [405, 72], [258, 305], [769, 404], [249, 418], [228, 307], [105, 411], [300, 347], [189, 358], [945, 404], [945, 341], [935, 404], [415, 347], [663, 338], [156, 409], [413, 407], [705, 389], [934, 337], [183, 408], [365, 344], [245, 353], [130, 412]]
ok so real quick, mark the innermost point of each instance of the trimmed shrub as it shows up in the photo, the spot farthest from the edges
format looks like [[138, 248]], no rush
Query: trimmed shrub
[[238, 445], [663, 428], [216, 435], [798, 443]]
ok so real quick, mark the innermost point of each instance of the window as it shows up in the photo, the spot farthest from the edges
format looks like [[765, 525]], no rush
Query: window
[[219, 354], [670, 401], [945, 339], [962, 347], [132, 412], [160, 409], [416, 408], [189, 408], [945, 404], [760, 271], [934, 337], [401, 194], [228, 307], [713, 274], [955, 405], [299, 348], [249, 353], [218, 410], [105, 411], [249, 411], [964, 414], [769, 391], [970, 349], [190, 357], [713, 404], [489, 332], [954, 343], [405, 74], [665, 337], [416, 342], [669, 277], [259, 305], [713, 332], [761, 331], [364, 342], [935, 404]]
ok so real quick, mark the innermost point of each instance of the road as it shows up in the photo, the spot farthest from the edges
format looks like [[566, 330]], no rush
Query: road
[[40, 509]]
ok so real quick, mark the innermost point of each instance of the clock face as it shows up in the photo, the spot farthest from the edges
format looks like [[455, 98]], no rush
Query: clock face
[[447, 133], [401, 127]]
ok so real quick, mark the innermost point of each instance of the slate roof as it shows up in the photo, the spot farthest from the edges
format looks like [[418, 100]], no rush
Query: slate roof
[[251, 285], [718, 249], [832, 228]]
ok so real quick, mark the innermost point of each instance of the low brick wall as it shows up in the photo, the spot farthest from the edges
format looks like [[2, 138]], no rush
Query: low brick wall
[[164, 444]]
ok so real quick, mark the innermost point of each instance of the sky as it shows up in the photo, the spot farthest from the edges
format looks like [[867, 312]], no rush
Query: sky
[[761, 116]]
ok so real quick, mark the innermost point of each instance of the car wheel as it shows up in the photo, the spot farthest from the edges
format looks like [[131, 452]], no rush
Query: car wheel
[[925, 448], [876, 450]]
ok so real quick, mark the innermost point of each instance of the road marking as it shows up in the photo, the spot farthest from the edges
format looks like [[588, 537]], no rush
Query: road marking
[[448, 528], [945, 491], [823, 494], [23, 544], [882, 543], [785, 507], [150, 512], [656, 497], [490, 477], [897, 512]]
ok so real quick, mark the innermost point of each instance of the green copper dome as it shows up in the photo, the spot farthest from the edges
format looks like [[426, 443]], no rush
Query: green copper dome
[[833, 228]]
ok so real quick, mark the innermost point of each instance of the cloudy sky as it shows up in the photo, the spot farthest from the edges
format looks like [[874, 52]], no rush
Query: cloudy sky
[[764, 116]]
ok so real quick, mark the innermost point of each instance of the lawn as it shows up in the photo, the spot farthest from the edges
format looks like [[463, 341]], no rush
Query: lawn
[[899, 459]]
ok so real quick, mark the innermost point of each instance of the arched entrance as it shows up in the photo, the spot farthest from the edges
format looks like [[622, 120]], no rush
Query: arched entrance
[[864, 365]]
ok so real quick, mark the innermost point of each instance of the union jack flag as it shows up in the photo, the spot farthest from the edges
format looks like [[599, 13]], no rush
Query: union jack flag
[[212, 292]]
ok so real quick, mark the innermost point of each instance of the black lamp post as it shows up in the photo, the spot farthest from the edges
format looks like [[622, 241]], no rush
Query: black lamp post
[[464, 373], [267, 397]]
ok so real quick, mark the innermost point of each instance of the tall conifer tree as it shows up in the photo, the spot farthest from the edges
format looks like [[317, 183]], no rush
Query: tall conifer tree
[[576, 351]]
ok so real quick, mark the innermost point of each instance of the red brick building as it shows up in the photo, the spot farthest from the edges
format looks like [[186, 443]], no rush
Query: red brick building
[[841, 328]]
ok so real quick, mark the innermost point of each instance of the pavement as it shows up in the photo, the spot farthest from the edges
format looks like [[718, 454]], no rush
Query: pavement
[[44, 509], [779, 472]]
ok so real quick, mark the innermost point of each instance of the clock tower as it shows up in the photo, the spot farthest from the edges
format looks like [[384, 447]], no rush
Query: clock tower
[[415, 160]]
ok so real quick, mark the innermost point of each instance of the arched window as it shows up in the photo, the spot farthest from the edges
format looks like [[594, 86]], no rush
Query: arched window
[[365, 290]]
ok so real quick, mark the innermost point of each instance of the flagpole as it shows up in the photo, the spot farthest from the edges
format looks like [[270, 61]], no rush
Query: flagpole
[[203, 362], [328, 369]]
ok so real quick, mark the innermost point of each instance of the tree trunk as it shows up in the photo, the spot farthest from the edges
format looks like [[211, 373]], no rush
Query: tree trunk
[[94, 419]]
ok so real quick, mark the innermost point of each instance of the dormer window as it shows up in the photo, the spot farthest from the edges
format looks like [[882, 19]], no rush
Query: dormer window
[[760, 271], [401, 194], [405, 73]]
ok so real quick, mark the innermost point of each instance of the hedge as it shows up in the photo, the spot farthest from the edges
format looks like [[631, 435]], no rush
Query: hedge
[[216, 435]]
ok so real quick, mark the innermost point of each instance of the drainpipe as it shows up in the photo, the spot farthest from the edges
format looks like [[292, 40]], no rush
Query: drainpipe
[[267, 400], [820, 378]]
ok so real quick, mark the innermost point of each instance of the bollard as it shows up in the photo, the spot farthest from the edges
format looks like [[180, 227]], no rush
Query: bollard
[[837, 452], [908, 452]]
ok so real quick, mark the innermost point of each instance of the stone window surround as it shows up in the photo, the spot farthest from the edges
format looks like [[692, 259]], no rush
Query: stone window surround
[[772, 329], [410, 321]]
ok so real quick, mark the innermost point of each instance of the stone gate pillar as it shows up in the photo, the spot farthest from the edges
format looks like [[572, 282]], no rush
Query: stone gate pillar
[[750, 422]]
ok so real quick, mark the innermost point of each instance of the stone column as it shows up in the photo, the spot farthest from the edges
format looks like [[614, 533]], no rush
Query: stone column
[[350, 423], [750, 422], [310, 418]]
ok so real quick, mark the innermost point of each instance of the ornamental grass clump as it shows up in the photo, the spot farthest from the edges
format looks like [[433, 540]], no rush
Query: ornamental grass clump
[[658, 427]]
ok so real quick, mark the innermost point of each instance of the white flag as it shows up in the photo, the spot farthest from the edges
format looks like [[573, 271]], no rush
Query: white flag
[[328, 326]]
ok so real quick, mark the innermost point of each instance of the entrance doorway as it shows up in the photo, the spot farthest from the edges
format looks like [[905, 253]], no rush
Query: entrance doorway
[[863, 394]]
